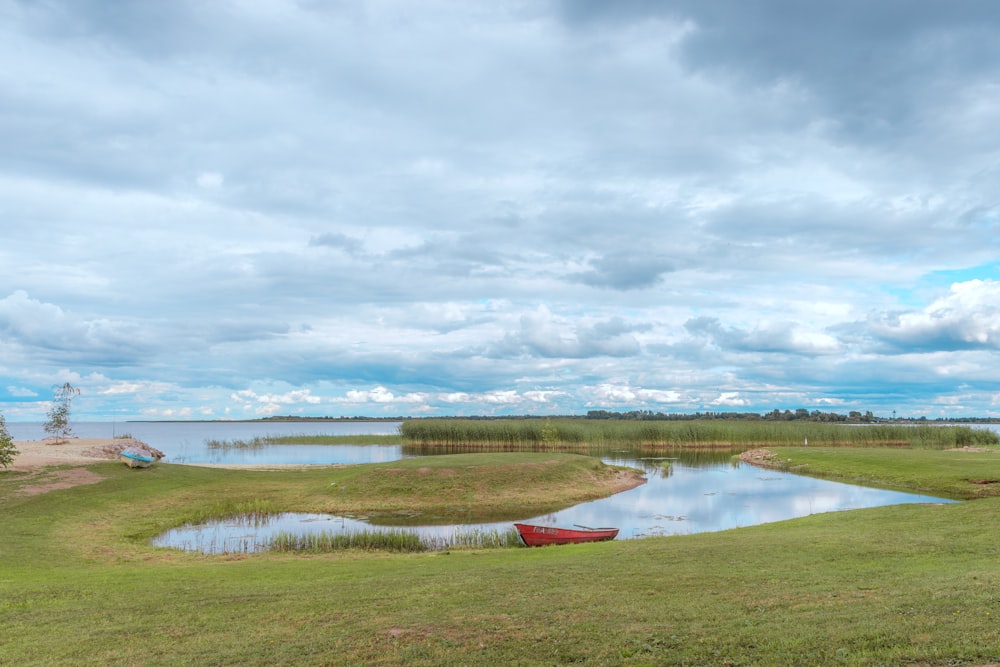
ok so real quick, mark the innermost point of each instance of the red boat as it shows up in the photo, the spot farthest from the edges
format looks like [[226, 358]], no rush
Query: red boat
[[539, 536]]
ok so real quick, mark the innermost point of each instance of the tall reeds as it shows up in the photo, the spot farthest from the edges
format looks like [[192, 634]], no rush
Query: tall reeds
[[540, 434], [394, 540]]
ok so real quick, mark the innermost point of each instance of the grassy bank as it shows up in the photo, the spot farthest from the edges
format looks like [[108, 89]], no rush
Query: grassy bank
[[463, 488], [961, 475], [582, 433], [901, 585]]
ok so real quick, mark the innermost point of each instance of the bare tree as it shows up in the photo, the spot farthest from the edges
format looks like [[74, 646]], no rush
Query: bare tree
[[58, 424]]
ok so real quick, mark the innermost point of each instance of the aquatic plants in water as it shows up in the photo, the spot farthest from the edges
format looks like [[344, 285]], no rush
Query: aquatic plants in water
[[577, 434], [394, 540], [261, 441]]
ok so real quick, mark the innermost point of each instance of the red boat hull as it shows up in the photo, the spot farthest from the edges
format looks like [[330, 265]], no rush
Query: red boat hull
[[539, 536]]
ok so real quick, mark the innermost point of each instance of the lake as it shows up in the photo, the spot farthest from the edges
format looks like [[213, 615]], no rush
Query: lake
[[697, 491], [185, 442]]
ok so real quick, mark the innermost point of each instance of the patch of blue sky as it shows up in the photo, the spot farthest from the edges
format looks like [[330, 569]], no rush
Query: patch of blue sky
[[932, 284], [946, 278], [908, 297]]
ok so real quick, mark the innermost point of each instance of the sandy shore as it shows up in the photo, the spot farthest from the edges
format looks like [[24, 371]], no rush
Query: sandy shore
[[39, 453], [36, 454]]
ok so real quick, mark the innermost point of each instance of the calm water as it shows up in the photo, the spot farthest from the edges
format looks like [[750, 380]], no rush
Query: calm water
[[185, 442], [687, 498], [697, 494]]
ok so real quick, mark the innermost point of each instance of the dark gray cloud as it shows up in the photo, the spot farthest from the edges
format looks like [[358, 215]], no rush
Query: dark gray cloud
[[348, 244], [624, 271]]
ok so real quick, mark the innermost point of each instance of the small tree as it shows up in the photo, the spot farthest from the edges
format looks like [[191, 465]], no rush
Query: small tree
[[7, 449], [58, 424]]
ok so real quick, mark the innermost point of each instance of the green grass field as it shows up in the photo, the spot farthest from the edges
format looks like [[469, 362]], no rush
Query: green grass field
[[901, 585]]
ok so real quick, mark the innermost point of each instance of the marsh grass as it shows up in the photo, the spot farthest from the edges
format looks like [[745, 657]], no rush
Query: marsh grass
[[226, 445], [365, 540], [259, 442], [582, 434], [251, 511], [392, 540]]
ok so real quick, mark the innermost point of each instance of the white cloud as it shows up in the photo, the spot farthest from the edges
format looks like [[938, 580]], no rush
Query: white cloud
[[659, 396], [380, 395], [508, 397], [614, 394], [293, 397], [967, 317], [541, 396], [210, 180], [730, 399]]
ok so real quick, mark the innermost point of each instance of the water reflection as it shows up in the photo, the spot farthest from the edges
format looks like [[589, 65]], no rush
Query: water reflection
[[706, 498], [691, 495]]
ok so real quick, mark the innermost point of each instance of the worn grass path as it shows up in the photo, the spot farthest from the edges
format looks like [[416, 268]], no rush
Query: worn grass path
[[901, 585]]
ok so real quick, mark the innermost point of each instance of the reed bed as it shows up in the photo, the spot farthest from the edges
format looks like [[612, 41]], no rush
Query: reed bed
[[576, 433], [226, 445], [392, 540]]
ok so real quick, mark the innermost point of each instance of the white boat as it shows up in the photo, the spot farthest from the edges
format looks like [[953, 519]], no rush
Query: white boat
[[134, 457]]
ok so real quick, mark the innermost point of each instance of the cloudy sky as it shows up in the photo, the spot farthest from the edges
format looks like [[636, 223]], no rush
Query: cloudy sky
[[244, 208]]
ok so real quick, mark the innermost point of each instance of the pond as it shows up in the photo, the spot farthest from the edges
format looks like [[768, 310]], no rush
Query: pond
[[690, 495]]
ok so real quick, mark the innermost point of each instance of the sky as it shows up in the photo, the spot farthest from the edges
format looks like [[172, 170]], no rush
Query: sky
[[247, 208]]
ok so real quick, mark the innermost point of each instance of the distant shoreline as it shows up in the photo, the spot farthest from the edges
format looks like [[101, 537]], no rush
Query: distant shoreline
[[265, 420], [939, 421]]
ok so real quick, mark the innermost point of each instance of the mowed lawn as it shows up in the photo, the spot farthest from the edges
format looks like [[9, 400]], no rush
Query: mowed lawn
[[901, 585]]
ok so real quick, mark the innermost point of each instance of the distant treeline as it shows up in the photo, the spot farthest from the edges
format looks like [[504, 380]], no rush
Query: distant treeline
[[299, 418], [801, 414], [854, 417]]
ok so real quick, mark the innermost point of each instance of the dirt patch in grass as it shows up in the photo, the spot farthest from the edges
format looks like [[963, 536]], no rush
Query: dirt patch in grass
[[40, 465], [61, 479], [764, 458]]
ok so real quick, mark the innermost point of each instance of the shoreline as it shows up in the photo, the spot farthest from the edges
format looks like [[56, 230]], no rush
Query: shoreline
[[35, 454]]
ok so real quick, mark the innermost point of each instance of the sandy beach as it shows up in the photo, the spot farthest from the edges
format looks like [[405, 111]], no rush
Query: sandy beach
[[33, 454]]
